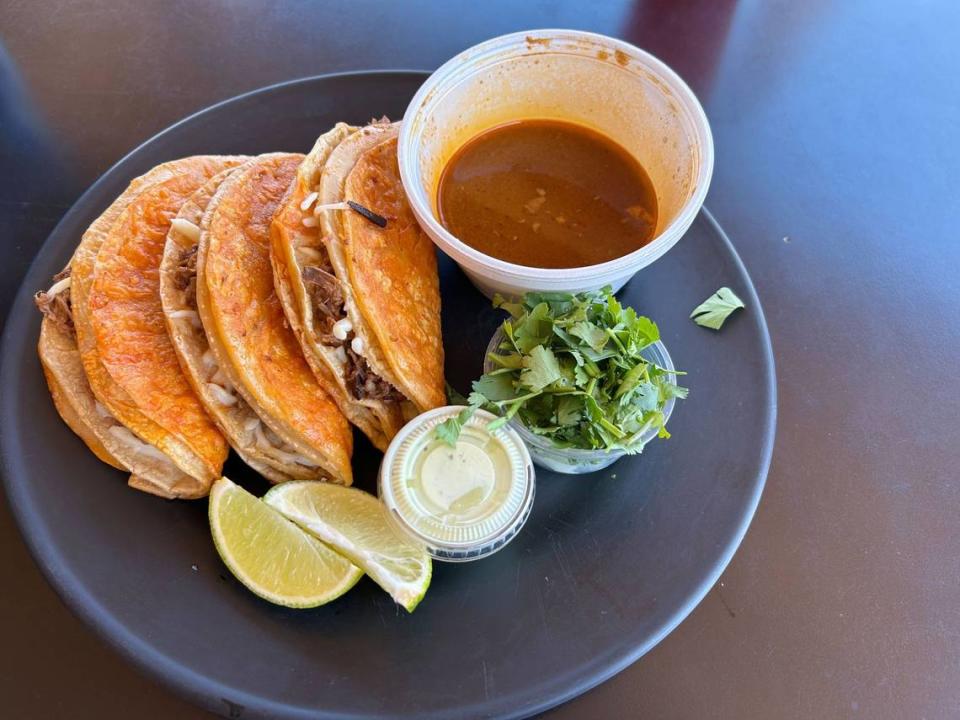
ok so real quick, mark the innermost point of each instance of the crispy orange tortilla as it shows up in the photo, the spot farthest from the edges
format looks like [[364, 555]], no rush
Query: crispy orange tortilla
[[98, 382], [237, 420], [330, 190], [295, 246], [288, 235], [127, 320], [393, 271], [240, 307], [82, 270], [103, 434], [184, 474]]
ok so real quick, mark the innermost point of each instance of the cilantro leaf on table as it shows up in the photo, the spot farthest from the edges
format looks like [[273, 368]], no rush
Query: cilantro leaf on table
[[713, 311]]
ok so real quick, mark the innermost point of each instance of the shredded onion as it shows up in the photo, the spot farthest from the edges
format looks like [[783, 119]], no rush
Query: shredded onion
[[341, 328], [276, 453], [221, 379], [58, 287], [311, 255], [223, 397], [308, 201], [186, 228], [330, 206], [190, 315], [136, 444], [209, 361]]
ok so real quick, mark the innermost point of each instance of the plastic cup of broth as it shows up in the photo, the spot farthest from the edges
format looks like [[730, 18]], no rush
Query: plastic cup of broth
[[591, 80]]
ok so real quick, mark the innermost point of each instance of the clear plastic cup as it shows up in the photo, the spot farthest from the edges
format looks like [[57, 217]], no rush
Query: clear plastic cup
[[573, 461], [594, 80], [501, 499]]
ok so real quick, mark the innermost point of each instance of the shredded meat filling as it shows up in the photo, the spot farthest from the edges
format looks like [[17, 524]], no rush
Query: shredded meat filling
[[57, 306], [328, 307], [366, 384], [327, 297], [185, 278]]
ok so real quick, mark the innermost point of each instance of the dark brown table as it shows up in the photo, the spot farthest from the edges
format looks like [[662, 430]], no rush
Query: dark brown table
[[836, 127]]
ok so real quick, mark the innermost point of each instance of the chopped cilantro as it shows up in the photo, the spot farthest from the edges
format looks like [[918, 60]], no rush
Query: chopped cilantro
[[571, 368]]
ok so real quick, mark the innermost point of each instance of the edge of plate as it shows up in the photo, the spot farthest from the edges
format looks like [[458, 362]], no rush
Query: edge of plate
[[203, 690], [767, 443], [198, 689]]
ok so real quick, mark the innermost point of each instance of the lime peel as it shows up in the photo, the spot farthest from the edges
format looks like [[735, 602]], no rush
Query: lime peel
[[357, 525], [271, 556]]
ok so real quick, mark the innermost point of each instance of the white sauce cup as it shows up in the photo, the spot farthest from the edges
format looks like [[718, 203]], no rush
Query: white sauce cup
[[594, 80]]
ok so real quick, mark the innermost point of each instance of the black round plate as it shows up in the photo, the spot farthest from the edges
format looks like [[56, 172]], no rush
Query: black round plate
[[607, 565]]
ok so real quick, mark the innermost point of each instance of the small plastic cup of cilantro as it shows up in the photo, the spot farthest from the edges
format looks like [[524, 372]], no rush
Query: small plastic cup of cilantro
[[565, 457], [583, 380]]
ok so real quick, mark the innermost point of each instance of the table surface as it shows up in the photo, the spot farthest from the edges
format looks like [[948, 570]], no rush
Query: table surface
[[836, 136]]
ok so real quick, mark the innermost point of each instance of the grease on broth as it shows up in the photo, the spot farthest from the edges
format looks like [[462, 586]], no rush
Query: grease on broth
[[547, 194]]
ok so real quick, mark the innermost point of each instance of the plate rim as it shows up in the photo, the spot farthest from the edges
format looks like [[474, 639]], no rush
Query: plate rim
[[201, 689]]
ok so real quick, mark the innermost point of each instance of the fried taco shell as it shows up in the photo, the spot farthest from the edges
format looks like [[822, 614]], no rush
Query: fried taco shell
[[63, 371], [121, 332], [323, 264], [245, 324], [393, 272], [311, 294], [256, 444], [109, 440]]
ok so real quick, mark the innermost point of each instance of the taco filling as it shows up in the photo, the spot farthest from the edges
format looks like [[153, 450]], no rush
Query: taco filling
[[335, 331], [57, 308], [186, 275], [256, 433], [55, 303], [248, 332]]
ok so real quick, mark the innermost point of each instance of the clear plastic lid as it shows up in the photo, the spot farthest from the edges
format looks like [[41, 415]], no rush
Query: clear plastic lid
[[463, 502]]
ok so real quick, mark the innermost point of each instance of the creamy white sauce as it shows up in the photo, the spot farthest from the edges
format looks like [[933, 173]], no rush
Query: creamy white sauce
[[457, 478]]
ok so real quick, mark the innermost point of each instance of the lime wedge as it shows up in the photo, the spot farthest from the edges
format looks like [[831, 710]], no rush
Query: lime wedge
[[272, 556], [356, 524]]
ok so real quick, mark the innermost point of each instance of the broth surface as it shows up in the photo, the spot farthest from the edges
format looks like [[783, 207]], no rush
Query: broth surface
[[547, 194]]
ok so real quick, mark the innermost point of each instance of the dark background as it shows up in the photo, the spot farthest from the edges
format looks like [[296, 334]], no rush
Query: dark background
[[836, 128]]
